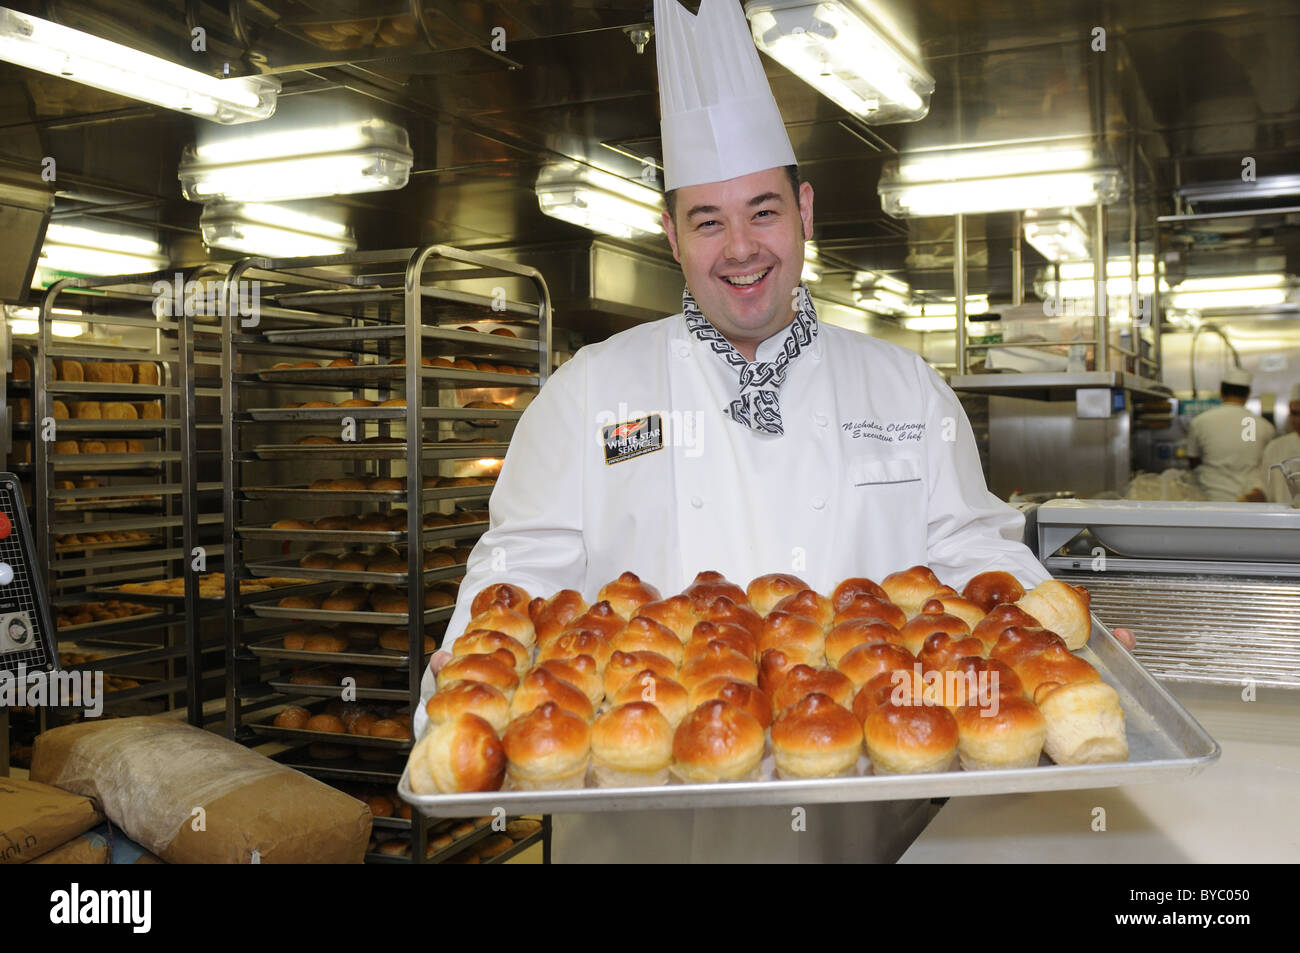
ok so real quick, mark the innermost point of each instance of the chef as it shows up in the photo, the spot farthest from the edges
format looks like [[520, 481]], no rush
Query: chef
[[1226, 443], [740, 435], [1278, 451]]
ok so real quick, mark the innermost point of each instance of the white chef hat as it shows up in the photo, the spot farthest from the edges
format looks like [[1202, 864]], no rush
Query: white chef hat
[[717, 114], [1237, 377]]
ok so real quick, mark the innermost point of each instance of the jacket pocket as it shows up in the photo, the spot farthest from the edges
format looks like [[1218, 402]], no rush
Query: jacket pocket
[[897, 471]]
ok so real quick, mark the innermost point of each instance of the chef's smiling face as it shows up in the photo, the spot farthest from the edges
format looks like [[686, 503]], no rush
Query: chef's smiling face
[[740, 245]]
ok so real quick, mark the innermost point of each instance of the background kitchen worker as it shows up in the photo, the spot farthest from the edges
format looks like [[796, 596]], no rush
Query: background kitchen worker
[[779, 444], [1225, 443], [1280, 449]]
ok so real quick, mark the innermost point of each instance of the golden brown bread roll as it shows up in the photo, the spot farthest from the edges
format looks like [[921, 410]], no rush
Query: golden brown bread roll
[[850, 589], [676, 614], [646, 635], [717, 742], [1055, 665], [123, 374], [722, 609], [469, 698], [816, 738], [623, 665], [146, 373], [318, 561], [392, 601], [963, 609], [708, 585], [498, 618], [733, 635], [148, 410], [911, 588], [990, 589], [862, 663], [300, 602], [291, 524], [926, 623], [389, 728], [456, 756], [59, 410], [851, 633], [352, 562], [765, 592], [743, 695], [773, 666], [580, 672], [485, 642], [795, 635], [600, 619], [23, 369], [68, 371], [978, 680], [386, 560], [1017, 643], [496, 669], [717, 658], [1062, 608], [808, 604], [436, 598], [803, 680], [910, 739], [1006, 734], [115, 446], [119, 410], [326, 643], [330, 723], [627, 593], [999, 619], [512, 597], [631, 746], [1085, 723], [347, 599], [666, 694], [573, 644], [866, 606], [87, 410], [540, 686], [97, 372], [941, 651], [355, 402], [293, 717], [93, 446], [386, 484], [893, 686], [398, 639], [548, 748]]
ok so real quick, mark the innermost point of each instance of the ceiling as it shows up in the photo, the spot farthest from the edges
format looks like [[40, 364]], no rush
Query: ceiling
[[1200, 85]]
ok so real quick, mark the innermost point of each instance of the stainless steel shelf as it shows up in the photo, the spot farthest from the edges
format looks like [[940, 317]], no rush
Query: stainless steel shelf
[[329, 414], [478, 342], [369, 375], [1054, 385], [378, 451]]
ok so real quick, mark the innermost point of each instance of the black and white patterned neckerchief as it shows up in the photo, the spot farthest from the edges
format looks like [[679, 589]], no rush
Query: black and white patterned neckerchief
[[758, 406]]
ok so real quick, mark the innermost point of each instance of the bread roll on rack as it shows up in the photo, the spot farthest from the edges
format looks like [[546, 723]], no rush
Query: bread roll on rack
[[743, 695], [512, 597], [999, 619], [864, 662], [486, 641], [717, 742], [627, 593], [722, 609], [458, 756], [551, 616], [675, 613], [646, 635], [539, 686], [1085, 723], [990, 589], [573, 644], [810, 605], [910, 739], [623, 665], [816, 738], [1062, 608], [848, 635], [498, 618], [580, 672], [717, 658], [803, 680], [1007, 734], [672, 700], [496, 669], [766, 591], [911, 588], [709, 584], [548, 748], [601, 619], [795, 635], [866, 606], [738, 638], [927, 623]]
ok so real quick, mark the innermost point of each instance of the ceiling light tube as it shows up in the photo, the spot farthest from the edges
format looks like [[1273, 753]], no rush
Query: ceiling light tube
[[1058, 235], [71, 250], [839, 52], [272, 231], [84, 58], [599, 201], [373, 156]]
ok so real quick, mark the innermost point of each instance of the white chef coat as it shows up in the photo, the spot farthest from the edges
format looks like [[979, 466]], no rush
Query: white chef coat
[[1230, 449], [1279, 449], [877, 471]]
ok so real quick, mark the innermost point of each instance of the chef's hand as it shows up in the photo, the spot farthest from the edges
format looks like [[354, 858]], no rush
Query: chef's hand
[[439, 659], [1124, 635]]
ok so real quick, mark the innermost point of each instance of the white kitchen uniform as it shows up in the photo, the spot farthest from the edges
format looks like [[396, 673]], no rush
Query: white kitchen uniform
[[1281, 448], [877, 471], [1230, 446]]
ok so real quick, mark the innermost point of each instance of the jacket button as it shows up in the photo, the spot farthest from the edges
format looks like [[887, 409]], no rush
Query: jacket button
[[696, 502], [818, 503], [820, 420], [683, 351]]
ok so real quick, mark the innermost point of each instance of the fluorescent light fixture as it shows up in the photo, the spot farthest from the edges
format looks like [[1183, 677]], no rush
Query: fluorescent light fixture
[[84, 58], [941, 315], [371, 156], [881, 294], [71, 250], [599, 201], [977, 180], [1057, 235], [259, 228], [1235, 190], [1234, 298], [842, 54], [931, 323], [27, 321]]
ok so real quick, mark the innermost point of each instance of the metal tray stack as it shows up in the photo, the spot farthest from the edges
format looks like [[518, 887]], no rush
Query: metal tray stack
[[365, 329], [131, 516]]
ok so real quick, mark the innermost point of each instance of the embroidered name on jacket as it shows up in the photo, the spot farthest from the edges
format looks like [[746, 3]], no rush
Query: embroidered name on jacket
[[633, 438], [893, 431]]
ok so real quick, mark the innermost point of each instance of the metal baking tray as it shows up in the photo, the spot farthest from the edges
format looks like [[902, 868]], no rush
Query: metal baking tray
[[379, 658], [364, 496], [345, 769], [357, 536], [288, 566], [326, 414], [1159, 529], [301, 735], [286, 687], [479, 341], [334, 615], [113, 425], [81, 627], [379, 451], [366, 375], [1165, 744], [111, 544], [96, 505], [90, 387], [88, 462]]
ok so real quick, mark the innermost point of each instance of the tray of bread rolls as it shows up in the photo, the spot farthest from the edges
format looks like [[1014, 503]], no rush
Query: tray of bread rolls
[[367, 375], [503, 340], [384, 565], [366, 726], [363, 409], [367, 684], [357, 643], [778, 694], [380, 604], [441, 450], [343, 489]]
